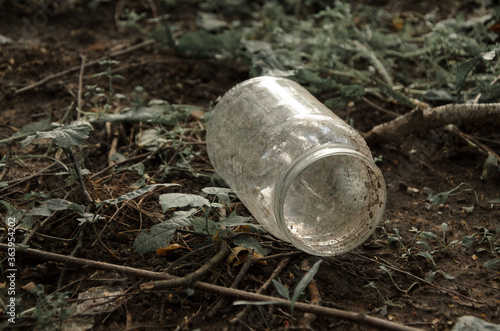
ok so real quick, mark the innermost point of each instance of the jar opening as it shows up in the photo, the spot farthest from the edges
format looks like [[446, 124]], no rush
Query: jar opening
[[330, 200]]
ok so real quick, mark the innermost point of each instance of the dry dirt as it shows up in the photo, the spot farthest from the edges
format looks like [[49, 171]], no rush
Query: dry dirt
[[48, 42]]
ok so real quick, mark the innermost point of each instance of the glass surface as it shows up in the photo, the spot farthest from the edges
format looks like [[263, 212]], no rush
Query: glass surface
[[261, 129]]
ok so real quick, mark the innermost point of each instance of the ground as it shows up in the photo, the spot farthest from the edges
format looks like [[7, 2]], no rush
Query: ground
[[389, 277]]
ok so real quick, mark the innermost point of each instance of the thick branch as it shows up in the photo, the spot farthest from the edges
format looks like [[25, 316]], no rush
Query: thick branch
[[354, 317], [423, 119]]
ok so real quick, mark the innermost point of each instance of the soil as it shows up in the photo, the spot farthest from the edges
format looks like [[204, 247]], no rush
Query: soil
[[48, 41]]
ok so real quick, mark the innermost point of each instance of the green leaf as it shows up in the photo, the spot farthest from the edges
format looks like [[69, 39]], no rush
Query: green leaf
[[33, 127], [65, 136], [308, 277], [490, 167], [468, 241], [282, 290], [160, 235], [51, 205], [160, 112], [89, 217], [428, 256], [491, 263], [398, 96], [205, 225], [462, 71], [203, 44], [175, 200], [431, 275], [222, 193], [442, 197], [428, 235], [250, 243], [138, 193]]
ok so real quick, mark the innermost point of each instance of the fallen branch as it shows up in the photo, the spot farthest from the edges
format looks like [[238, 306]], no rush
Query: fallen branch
[[422, 119], [358, 318], [191, 278], [88, 64]]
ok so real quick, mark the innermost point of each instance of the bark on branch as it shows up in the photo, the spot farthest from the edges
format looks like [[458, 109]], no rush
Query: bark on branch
[[354, 317], [423, 119]]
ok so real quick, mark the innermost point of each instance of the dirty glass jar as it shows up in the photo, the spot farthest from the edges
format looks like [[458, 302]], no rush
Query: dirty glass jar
[[303, 173]]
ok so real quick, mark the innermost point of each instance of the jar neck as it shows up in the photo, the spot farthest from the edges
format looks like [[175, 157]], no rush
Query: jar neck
[[295, 168]]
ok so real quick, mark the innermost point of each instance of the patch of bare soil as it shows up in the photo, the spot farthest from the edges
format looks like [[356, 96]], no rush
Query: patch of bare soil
[[402, 274]]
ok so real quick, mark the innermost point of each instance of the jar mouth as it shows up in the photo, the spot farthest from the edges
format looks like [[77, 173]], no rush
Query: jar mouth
[[330, 200]]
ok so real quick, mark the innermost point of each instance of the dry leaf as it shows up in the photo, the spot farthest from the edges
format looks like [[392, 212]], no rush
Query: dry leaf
[[164, 251]]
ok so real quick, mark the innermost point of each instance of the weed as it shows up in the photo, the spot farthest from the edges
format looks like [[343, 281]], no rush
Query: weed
[[285, 293], [160, 235], [96, 92]]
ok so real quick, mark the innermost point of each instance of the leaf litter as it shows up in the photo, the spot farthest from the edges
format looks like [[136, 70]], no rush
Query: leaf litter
[[341, 53]]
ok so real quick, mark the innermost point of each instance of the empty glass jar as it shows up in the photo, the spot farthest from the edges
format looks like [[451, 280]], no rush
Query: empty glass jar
[[303, 173]]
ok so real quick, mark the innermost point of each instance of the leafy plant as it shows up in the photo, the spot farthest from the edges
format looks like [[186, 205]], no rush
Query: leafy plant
[[285, 293], [160, 235], [442, 197], [50, 310]]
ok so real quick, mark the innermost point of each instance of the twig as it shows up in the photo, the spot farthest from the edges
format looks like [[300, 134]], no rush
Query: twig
[[315, 298], [192, 277], [24, 179], [137, 157], [264, 286], [73, 253], [385, 111], [91, 63], [354, 317], [5, 170], [239, 277], [86, 194], [416, 277], [80, 88], [423, 119]]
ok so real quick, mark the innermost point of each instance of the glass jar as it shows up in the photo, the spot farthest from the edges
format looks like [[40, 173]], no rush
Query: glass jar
[[304, 174]]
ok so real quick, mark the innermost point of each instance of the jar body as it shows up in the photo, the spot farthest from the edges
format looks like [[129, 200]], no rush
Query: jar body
[[303, 173]]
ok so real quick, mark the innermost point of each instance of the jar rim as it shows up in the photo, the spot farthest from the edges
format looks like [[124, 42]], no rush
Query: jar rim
[[294, 169]]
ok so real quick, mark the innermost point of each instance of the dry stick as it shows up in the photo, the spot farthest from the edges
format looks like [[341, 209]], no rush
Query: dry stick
[[24, 179], [91, 63], [192, 277], [354, 317], [239, 277], [385, 111], [80, 88], [420, 119], [73, 253], [5, 170], [137, 157], [315, 298], [264, 286]]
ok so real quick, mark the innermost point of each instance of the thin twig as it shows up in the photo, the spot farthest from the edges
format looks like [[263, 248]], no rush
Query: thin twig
[[91, 63], [314, 296], [137, 157], [192, 277], [355, 317], [239, 277], [86, 194], [24, 179], [264, 286], [5, 170], [415, 277], [80, 88], [75, 251]]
